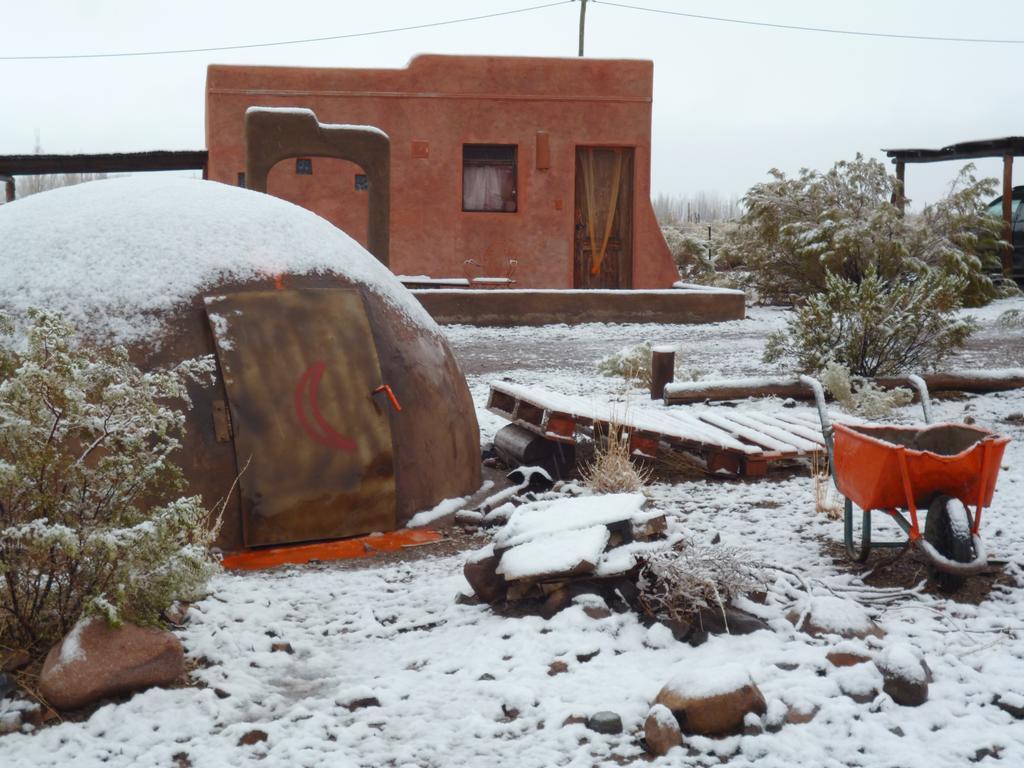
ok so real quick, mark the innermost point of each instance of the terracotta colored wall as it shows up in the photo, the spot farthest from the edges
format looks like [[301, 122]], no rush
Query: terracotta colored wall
[[449, 101]]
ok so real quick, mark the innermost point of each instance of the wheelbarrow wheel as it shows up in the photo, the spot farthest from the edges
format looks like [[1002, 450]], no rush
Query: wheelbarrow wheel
[[948, 529]]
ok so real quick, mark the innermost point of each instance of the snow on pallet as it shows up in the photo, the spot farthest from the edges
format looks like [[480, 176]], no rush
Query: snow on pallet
[[729, 441]]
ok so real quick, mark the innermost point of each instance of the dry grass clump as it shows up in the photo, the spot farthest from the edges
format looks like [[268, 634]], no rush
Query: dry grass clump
[[680, 466], [826, 497], [612, 470]]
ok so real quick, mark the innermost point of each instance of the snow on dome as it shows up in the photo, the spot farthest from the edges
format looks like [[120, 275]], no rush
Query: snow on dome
[[116, 257]]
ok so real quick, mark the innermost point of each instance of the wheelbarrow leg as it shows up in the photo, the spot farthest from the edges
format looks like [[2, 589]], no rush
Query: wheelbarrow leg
[[859, 554]]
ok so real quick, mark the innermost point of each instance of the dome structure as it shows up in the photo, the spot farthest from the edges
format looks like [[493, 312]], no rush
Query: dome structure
[[338, 404]]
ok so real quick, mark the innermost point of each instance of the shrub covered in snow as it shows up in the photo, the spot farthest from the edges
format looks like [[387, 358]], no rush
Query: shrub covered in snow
[[630, 363], [797, 231], [90, 519], [875, 326], [677, 584], [862, 396]]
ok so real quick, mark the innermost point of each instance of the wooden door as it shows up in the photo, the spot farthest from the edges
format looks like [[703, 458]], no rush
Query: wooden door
[[603, 248], [312, 441]]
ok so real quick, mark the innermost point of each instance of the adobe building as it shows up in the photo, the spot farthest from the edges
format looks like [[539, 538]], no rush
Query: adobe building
[[541, 166]]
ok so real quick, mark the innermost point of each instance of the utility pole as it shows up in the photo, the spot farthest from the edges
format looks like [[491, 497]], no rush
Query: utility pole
[[583, 21]]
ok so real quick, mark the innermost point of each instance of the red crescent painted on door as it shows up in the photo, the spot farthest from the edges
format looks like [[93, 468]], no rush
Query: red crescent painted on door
[[322, 433]]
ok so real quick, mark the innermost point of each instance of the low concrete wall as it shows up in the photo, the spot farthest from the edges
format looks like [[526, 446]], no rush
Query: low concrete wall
[[548, 307]]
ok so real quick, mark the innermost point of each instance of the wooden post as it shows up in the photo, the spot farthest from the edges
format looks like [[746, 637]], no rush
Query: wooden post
[[583, 21], [898, 197], [663, 370], [1008, 214], [8, 188]]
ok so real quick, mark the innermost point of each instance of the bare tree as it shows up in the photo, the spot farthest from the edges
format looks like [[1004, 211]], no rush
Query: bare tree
[[694, 209]]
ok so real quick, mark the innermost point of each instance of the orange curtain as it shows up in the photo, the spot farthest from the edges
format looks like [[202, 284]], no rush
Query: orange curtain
[[593, 214]]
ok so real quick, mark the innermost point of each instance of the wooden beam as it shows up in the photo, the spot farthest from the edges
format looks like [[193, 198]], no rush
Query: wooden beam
[[696, 392], [663, 371], [122, 162], [1008, 214], [899, 198]]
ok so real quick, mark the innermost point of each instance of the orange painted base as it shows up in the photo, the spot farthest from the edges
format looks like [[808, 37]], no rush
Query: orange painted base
[[344, 549]]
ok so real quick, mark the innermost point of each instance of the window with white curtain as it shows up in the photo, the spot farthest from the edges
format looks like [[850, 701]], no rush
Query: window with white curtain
[[489, 177]]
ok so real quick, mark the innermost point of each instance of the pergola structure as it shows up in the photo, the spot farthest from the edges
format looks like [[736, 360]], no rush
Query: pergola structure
[[120, 162], [1006, 148]]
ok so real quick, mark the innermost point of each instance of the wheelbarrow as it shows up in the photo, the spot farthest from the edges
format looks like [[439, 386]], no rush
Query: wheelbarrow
[[900, 470]]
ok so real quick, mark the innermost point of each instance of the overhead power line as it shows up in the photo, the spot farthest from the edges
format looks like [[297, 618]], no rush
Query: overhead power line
[[851, 32], [428, 25]]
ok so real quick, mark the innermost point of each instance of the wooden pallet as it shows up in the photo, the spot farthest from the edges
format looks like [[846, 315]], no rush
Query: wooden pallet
[[726, 441]]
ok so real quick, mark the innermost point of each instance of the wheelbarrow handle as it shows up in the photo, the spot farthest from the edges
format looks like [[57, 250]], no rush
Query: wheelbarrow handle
[[922, 390], [826, 422]]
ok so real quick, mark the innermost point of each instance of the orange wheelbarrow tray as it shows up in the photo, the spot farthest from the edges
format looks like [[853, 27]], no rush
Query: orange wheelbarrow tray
[[944, 468]]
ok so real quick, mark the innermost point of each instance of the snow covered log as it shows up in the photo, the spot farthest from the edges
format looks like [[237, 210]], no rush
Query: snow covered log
[[992, 380]]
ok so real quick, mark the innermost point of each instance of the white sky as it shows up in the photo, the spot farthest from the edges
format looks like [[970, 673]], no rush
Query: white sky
[[730, 101]]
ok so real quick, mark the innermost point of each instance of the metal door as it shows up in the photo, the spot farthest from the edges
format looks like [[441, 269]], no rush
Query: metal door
[[312, 441]]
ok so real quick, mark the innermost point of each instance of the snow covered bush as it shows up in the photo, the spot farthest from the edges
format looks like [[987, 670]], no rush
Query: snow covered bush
[[630, 363], [875, 326], [679, 583], [867, 399], [797, 231], [90, 517]]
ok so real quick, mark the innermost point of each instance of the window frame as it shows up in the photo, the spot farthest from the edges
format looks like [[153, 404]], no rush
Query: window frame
[[484, 163]]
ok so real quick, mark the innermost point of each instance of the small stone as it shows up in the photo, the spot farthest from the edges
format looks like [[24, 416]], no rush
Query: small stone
[[661, 730], [905, 675], [510, 713], [1012, 705], [282, 648], [789, 402], [752, 725], [862, 682], [252, 737], [799, 716], [221, 694], [597, 612], [486, 676], [787, 666], [473, 599], [10, 723], [15, 661], [363, 703], [177, 613], [181, 760], [7, 685], [605, 722], [583, 658], [574, 720], [557, 668], [842, 659]]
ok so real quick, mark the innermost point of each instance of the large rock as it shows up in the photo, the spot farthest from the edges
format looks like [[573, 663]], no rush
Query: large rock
[[481, 571], [712, 701], [905, 675], [827, 615], [661, 730], [96, 660]]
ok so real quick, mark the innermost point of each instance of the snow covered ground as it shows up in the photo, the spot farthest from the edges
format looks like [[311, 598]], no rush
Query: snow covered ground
[[458, 685]]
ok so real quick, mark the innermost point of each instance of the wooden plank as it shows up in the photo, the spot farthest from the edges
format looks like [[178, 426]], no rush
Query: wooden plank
[[813, 438], [1008, 214], [745, 432]]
